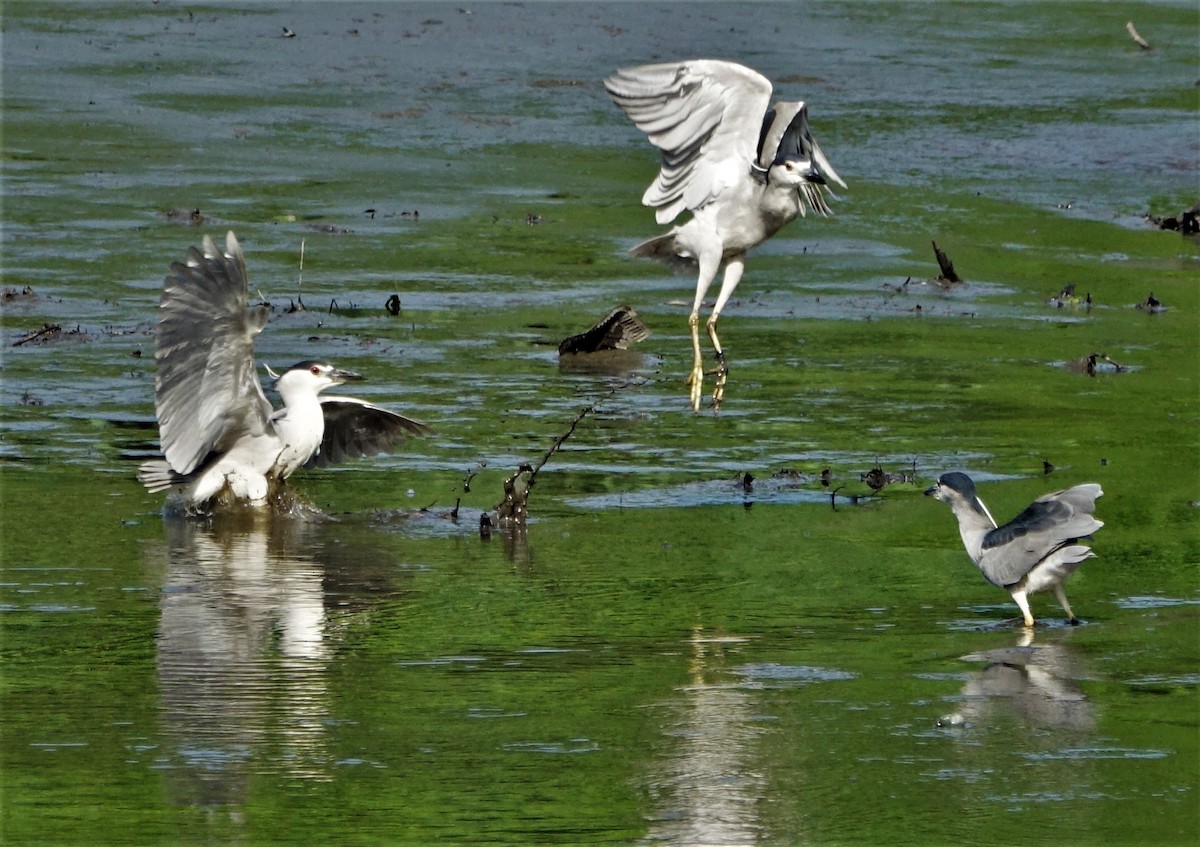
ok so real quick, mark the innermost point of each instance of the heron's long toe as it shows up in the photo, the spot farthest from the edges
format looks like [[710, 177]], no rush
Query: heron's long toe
[[719, 388]]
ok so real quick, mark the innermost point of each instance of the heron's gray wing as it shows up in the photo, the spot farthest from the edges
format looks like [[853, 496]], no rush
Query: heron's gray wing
[[1051, 521], [704, 115], [206, 390], [356, 428]]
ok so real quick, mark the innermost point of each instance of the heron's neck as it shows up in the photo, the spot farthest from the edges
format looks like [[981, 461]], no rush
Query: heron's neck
[[973, 526], [780, 202], [302, 414]]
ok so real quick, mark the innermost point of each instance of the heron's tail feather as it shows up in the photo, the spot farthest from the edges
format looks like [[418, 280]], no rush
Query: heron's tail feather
[[1056, 567], [158, 476], [664, 249]]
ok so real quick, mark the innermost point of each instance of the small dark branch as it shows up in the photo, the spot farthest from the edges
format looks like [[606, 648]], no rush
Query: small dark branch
[[466, 486], [948, 273], [513, 509], [47, 331], [561, 439]]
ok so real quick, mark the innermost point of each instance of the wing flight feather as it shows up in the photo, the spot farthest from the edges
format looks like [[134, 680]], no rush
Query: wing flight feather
[[704, 115], [206, 389], [356, 428], [1047, 524]]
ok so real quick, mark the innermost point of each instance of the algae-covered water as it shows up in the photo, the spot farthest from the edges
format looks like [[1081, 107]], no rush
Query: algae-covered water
[[668, 654]]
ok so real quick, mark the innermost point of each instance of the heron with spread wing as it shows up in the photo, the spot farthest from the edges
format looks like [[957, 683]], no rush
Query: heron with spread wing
[[223, 441], [1035, 551], [743, 167]]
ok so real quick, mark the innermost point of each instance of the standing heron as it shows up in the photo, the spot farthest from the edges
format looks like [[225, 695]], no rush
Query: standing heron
[[223, 440], [743, 167], [1036, 550]]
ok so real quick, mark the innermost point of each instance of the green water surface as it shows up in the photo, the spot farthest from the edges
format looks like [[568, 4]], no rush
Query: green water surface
[[664, 656]]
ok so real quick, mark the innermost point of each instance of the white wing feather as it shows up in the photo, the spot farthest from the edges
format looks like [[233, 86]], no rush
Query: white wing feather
[[206, 390], [705, 116]]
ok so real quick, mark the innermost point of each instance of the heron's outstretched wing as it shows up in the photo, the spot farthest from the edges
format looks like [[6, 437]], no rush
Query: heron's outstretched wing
[[206, 390], [356, 428], [705, 116], [1048, 523]]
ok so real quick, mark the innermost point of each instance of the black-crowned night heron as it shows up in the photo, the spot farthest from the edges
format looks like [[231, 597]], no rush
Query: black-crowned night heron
[[742, 166], [222, 439], [1036, 550]]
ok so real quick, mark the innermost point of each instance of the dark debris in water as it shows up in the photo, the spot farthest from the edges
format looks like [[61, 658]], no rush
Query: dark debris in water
[[948, 275], [24, 294], [789, 478], [1094, 363], [1151, 305], [617, 330], [1186, 222], [1068, 297], [51, 332], [328, 228], [414, 215], [186, 217], [878, 479], [946, 279]]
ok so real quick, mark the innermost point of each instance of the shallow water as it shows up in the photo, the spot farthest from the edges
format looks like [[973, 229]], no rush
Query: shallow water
[[666, 655]]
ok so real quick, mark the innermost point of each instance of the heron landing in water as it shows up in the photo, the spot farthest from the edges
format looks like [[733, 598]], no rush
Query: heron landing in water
[[223, 441], [1036, 550], [743, 167]]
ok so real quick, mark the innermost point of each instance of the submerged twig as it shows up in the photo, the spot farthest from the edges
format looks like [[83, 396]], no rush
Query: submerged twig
[[300, 282], [47, 331], [513, 510], [1133, 33]]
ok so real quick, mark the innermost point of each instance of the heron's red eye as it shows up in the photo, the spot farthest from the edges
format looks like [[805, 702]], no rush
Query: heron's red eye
[[314, 370]]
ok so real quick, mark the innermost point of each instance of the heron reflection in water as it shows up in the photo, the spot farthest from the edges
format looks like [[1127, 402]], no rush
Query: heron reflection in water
[[707, 789], [1034, 683], [243, 646]]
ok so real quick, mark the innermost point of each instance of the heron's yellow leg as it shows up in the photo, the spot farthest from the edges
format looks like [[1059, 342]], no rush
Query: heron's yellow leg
[[1023, 601], [1061, 597], [696, 377], [722, 369], [734, 265]]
